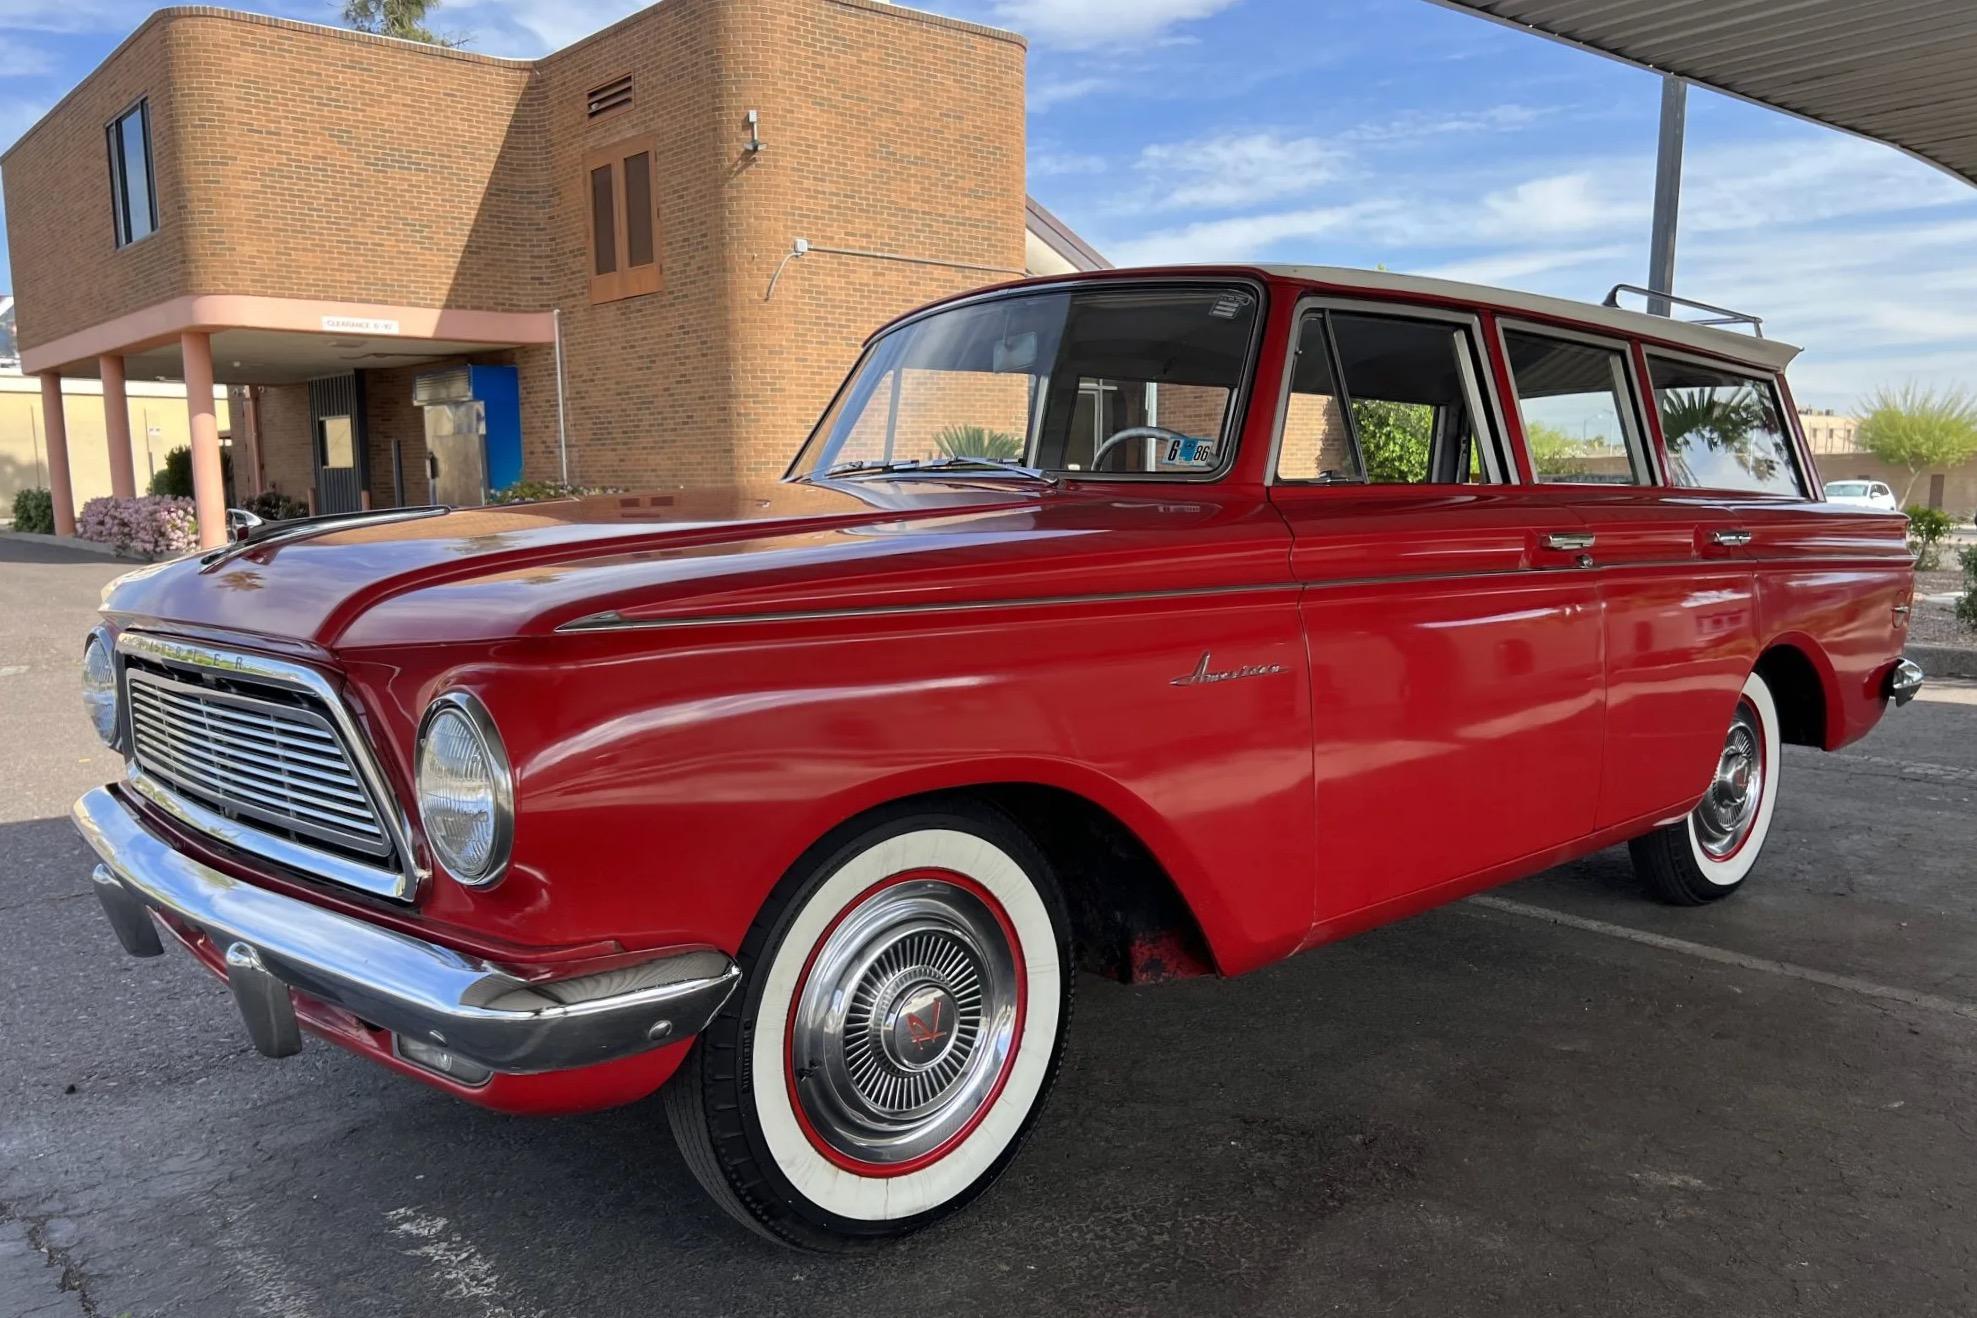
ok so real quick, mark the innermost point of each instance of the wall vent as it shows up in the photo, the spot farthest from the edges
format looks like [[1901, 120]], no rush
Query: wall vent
[[613, 95]]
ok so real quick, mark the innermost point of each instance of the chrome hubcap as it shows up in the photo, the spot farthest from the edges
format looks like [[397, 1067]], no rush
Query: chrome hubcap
[[905, 1022], [1724, 818]]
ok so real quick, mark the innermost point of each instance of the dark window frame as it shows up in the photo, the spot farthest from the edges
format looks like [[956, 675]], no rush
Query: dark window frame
[[123, 231], [1643, 460], [1497, 460], [1766, 380]]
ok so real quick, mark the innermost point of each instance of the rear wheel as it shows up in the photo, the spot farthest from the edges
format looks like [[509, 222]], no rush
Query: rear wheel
[[1707, 856], [905, 999]]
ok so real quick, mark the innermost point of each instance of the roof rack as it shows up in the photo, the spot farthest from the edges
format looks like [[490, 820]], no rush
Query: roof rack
[[1720, 315]]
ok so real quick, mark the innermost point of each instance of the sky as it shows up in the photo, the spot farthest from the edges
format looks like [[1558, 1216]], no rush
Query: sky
[[1375, 132]]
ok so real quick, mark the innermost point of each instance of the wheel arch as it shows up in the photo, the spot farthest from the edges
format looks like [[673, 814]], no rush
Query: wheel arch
[[1804, 687], [1136, 915]]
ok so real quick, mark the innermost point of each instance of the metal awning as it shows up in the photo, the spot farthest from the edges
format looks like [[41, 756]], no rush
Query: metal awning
[[1896, 71]]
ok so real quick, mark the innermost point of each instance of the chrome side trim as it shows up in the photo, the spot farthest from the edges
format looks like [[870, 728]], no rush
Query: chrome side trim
[[612, 620], [393, 980], [400, 883]]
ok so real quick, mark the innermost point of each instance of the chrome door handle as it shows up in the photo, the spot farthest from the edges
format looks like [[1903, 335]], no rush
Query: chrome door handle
[[1730, 539], [1568, 540]]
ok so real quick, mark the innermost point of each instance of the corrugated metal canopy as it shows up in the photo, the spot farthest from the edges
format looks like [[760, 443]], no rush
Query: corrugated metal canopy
[[1903, 72]]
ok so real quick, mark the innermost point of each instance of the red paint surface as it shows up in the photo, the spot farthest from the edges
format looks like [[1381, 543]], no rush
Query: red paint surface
[[1457, 705]]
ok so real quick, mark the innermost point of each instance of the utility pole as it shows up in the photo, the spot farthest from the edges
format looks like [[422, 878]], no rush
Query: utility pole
[[1667, 191]]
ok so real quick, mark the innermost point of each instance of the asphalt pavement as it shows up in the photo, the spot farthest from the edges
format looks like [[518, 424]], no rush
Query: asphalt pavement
[[1557, 1099]]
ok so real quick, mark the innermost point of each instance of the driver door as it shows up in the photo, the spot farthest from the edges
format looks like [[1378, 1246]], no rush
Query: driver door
[[1453, 635]]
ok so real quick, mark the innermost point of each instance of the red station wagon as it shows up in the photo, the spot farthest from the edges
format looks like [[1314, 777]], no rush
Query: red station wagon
[[1153, 623]]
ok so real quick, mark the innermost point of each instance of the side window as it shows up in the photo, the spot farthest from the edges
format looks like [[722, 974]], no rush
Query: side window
[[1578, 421], [1723, 431], [133, 192], [1384, 400]]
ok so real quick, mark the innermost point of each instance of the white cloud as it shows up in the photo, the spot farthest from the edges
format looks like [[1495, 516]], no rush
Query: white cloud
[[1411, 124], [1240, 237], [1043, 95], [20, 60], [1234, 170], [1084, 24], [1049, 162]]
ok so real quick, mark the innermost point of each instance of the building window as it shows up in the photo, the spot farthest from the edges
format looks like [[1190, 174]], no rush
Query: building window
[[620, 186], [133, 194]]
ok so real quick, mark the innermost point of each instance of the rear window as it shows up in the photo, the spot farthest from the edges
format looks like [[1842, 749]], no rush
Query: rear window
[[1723, 431]]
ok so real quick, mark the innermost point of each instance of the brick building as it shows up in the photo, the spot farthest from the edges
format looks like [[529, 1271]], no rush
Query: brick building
[[329, 221]]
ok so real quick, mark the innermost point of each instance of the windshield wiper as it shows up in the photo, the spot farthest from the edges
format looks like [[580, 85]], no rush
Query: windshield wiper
[[875, 468]]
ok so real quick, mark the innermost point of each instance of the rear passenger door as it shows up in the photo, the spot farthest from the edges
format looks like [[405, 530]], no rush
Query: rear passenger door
[[1454, 642], [1821, 570], [1674, 582]]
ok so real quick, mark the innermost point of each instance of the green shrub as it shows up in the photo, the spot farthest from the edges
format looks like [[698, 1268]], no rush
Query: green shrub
[[174, 479], [1926, 529], [34, 511], [532, 491], [1966, 606], [271, 506], [970, 441]]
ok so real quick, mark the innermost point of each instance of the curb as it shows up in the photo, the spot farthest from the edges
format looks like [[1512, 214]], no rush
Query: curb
[[1944, 660], [71, 542]]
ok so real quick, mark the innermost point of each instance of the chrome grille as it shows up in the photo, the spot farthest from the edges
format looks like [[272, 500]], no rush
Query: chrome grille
[[274, 762]]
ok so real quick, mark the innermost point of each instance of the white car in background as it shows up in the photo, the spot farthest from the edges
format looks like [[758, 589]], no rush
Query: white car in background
[[1862, 494]]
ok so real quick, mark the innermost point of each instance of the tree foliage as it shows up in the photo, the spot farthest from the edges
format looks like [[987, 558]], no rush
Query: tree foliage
[[404, 19], [1918, 429], [1394, 439]]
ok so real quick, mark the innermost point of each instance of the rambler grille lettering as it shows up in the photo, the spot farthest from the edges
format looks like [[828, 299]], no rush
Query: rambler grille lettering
[[269, 762]]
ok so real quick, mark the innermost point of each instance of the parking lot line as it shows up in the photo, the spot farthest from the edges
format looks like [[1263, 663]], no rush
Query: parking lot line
[[1701, 951]]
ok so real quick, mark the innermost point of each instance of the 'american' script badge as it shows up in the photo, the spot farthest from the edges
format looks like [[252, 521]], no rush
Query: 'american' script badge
[[1204, 675]]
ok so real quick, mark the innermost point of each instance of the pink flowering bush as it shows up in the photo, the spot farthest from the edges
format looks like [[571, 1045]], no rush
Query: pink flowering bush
[[156, 525]]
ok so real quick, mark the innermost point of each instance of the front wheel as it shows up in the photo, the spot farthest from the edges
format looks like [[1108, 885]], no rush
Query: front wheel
[[1707, 856], [906, 993]]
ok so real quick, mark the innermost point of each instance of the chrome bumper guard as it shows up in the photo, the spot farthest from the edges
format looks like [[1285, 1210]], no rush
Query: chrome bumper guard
[[415, 989], [1904, 680]]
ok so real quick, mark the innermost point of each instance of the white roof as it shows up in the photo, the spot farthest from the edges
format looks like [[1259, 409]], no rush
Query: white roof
[[1749, 348]]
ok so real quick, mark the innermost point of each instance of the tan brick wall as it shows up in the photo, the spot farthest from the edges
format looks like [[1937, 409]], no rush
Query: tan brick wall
[[328, 165], [67, 270], [1315, 438], [288, 463]]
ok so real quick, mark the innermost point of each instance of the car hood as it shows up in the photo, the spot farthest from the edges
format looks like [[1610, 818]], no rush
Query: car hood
[[702, 555], [490, 572]]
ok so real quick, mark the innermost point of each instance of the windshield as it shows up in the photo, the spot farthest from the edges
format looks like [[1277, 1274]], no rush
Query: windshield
[[1847, 489], [1099, 380]]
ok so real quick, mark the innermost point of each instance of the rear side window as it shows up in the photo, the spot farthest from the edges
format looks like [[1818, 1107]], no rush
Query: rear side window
[[1578, 423], [1384, 400], [1723, 431]]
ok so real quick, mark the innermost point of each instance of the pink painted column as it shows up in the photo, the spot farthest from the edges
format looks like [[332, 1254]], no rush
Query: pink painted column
[[56, 428], [116, 425], [208, 485]]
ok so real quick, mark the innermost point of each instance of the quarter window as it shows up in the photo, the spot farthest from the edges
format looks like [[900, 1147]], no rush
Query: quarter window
[[1722, 431], [133, 193], [619, 188], [1383, 400], [1578, 424]]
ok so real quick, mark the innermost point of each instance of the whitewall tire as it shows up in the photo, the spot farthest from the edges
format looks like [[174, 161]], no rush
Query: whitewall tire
[[905, 997], [1708, 854]]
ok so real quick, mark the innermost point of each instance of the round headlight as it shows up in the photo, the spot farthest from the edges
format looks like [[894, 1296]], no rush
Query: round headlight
[[466, 797], [99, 689]]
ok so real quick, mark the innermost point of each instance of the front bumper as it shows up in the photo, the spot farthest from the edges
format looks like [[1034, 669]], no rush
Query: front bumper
[[418, 990]]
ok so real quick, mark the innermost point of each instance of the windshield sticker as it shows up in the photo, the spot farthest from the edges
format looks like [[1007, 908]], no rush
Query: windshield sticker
[[1230, 305], [1187, 451]]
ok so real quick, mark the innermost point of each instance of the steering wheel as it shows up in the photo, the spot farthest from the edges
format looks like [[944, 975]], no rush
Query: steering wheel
[[1118, 437]]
